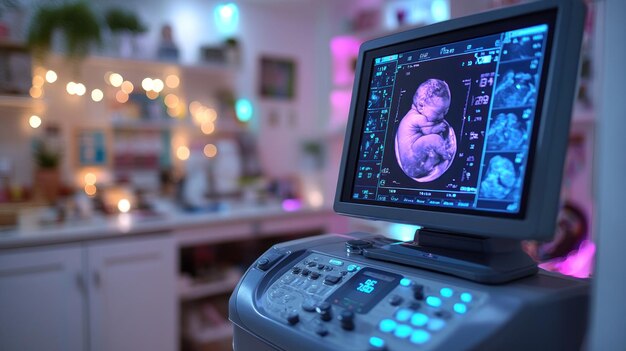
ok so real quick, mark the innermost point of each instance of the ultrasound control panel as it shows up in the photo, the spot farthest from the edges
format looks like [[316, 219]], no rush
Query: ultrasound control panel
[[345, 301], [318, 294]]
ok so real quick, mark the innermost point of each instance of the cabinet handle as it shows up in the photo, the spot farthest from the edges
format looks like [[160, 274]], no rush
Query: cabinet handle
[[97, 279]]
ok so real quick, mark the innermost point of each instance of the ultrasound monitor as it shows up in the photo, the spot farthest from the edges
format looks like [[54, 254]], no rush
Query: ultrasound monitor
[[461, 128]]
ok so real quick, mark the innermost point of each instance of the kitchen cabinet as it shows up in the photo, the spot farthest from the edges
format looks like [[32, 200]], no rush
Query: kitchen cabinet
[[98, 296]]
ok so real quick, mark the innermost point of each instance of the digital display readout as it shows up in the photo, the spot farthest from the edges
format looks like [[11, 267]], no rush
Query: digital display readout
[[363, 291], [367, 287]]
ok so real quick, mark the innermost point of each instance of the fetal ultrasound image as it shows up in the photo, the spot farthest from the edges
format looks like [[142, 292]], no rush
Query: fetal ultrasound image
[[500, 180], [507, 133], [425, 142], [515, 89]]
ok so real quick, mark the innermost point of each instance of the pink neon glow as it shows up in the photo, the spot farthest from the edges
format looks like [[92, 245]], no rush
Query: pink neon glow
[[291, 205], [344, 50], [577, 264], [339, 106]]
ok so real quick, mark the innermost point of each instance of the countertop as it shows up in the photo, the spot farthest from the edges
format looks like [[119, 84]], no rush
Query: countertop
[[126, 225]]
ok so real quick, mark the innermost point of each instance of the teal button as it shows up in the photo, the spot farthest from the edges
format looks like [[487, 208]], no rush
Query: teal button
[[446, 292], [433, 301], [377, 342], [460, 308], [419, 319], [352, 268], [420, 337], [436, 324], [403, 315], [403, 331], [336, 262], [387, 325], [466, 297], [405, 282]]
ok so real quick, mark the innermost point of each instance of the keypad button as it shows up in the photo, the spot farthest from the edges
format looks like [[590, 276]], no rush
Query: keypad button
[[405, 282], [377, 344], [460, 308], [436, 324], [332, 279], [420, 337], [433, 301], [419, 319], [446, 292], [403, 314], [403, 331], [466, 297], [335, 262], [387, 325]]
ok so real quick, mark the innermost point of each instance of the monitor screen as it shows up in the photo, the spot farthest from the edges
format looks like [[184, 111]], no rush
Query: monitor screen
[[451, 126]]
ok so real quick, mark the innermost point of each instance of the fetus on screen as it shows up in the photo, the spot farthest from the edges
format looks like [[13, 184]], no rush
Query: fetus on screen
[[425, 143]]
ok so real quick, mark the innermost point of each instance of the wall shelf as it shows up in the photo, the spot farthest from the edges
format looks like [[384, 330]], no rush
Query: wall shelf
[[221, 286], [19, 101]]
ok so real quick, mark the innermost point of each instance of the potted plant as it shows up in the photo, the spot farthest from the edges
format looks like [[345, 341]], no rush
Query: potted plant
[[125, 26], [74, 23], [47, 177]]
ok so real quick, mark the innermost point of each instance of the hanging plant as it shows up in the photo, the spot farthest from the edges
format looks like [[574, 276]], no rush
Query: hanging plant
[[119, 20], [76, 21]]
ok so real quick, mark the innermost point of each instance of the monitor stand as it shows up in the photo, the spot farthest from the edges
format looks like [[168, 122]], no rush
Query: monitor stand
[[480, 259]]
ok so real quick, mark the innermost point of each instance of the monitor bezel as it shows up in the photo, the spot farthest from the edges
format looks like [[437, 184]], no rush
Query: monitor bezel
[[544, 175]]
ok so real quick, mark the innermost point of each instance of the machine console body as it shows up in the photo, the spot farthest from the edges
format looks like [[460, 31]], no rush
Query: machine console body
[[319, 295]]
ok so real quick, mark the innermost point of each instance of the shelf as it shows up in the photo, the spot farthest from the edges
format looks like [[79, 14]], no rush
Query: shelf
[[18, 101], [222, 286], [163, 124], [213, 334]]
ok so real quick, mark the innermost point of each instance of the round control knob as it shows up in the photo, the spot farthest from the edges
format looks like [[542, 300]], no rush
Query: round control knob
[[356, 246], [418, 291], [308, 305], [395, 300], [293, 318], [323, 309], [347, 320]]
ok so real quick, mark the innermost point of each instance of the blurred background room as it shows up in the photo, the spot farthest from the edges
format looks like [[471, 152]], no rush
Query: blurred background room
[[150, 151]]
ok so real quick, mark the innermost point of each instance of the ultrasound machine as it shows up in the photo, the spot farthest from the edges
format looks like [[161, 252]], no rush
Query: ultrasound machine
[[460, 128]]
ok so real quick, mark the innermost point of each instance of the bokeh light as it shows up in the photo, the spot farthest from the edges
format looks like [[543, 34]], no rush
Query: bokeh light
[[34, 121], [210, 150]]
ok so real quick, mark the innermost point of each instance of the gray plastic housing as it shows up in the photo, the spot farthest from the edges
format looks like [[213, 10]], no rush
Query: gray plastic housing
[[543, 186]]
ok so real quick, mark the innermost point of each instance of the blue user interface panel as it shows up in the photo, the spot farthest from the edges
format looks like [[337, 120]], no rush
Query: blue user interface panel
[[451, 126]]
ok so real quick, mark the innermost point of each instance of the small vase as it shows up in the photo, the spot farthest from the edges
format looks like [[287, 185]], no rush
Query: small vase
[[47, 184]]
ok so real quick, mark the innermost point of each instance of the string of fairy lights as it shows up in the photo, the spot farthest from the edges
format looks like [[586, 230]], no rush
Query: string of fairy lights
[[203, 116]]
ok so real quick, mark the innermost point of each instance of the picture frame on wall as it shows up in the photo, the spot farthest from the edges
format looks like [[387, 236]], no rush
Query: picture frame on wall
[[91, 147], [277, 78]]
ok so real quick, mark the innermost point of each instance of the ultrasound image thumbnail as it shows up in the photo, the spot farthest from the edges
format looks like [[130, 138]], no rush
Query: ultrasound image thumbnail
[[500, 179], [379, 98], [507, 132], [515, 89]]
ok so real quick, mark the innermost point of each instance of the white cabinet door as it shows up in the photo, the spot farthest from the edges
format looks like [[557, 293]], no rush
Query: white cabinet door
[[42, 299], [133, 302]]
